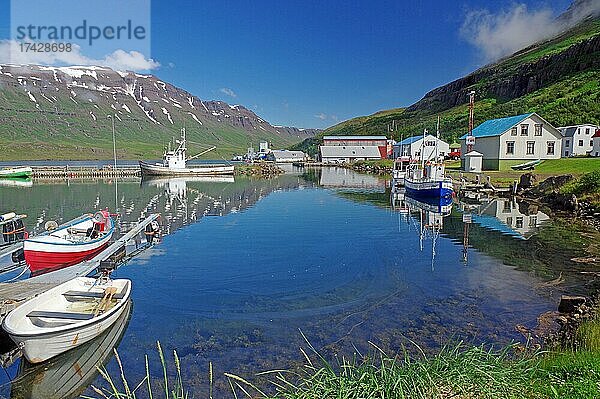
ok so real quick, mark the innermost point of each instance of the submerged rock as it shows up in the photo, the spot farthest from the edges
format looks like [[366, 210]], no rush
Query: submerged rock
[[570, 304]]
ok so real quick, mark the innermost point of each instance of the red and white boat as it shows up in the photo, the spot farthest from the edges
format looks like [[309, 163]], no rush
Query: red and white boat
[[69, 244]]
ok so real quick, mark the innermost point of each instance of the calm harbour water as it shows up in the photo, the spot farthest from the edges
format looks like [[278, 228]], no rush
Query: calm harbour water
[[248, 266]]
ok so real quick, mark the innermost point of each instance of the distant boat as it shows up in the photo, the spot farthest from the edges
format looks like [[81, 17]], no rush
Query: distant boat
[[427, 179], [174, 163], [527, 165], [70, 244], [66, 316], [16, 171]]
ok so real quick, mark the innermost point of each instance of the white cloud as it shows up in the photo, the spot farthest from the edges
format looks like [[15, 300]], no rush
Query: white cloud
[[228, 92], [10, 53], [509, 30], [321, 116], [497, 35]]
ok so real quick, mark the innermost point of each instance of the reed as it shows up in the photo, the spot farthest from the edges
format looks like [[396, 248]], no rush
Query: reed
[[122, 388]]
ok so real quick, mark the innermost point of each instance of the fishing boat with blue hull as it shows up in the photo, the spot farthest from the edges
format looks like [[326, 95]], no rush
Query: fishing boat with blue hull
[[427, 178]]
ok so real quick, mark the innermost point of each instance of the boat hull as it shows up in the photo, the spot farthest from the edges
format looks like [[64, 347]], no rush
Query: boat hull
[[434, 189], [45, 253], [208, 170], [39, 344], [19, 172], [44, 261]]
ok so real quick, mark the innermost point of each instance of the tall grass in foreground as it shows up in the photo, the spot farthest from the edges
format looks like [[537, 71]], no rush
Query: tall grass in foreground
[[458, 371], [122, 389]]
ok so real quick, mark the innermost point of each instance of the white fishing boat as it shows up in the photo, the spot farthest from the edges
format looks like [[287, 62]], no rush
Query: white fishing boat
[[66, 316], [175, 163], [427, 178]]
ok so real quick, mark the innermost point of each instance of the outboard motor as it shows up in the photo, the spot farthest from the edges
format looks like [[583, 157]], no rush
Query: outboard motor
[[18, 256], [152, 232]]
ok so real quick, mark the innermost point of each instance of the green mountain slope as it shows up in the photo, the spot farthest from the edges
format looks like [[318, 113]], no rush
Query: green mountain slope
[[559, 79]]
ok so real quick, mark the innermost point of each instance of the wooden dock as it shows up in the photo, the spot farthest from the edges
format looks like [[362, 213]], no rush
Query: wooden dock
[[14, 294], [67, 172]]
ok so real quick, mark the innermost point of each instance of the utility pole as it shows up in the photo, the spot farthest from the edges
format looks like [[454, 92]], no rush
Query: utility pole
[[470, 138]]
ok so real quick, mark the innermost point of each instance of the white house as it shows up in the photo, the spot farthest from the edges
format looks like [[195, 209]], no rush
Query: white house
[[283, 156], [412, 147], [577, 139], [513, 140], [596, 147], [346, 149], [349, 153]]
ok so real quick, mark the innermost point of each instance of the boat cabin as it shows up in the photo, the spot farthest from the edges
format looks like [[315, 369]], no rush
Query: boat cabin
[[12, 228]]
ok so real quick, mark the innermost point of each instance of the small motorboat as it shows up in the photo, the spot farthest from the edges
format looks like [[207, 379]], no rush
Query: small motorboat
[[69, 374], [16, 171], [69, 244], [66, 316], [527, 165]]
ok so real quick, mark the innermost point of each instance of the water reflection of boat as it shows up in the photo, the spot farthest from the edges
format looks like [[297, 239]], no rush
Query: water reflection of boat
[[68, 375], [16, 182], [430, 218]]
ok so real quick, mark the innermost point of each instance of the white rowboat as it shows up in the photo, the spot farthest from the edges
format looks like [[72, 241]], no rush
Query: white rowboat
[[66, 316]]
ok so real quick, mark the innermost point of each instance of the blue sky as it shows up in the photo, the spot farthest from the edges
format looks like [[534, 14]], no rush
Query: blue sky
[[314, 63]]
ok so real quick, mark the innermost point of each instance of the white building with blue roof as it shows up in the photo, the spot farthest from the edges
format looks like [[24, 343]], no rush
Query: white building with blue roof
[[412, 147], [513, 140]]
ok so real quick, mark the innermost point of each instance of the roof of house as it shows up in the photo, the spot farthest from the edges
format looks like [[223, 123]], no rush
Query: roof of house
[[413, 139], [495, 127], [350, 151], [354, 138], [597, 134], [568, 131], [286, 154]]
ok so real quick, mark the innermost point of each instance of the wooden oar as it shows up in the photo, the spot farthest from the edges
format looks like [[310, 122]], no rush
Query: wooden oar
[[109, 291]]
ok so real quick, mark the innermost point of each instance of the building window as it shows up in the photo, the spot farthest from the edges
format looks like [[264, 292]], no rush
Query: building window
[[532, 221], [509, 221], [538, 129], [566, 153], [506, 208], [581, 143], [587, 130], [513, 131], [591, 143], [550, 148], [519, 222], [524, 130], [567, 143], [530, 147], [510, 147]]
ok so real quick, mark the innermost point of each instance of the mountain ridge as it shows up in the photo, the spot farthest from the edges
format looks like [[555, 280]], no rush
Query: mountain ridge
[[64, 109]]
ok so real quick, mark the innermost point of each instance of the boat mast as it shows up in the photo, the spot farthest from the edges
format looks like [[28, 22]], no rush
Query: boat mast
[[437, 139], [423, 149]]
